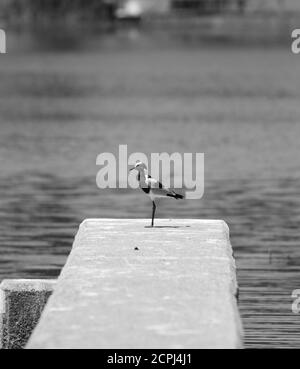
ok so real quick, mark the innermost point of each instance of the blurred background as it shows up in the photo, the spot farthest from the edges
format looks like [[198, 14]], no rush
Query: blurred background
[[82, 77]]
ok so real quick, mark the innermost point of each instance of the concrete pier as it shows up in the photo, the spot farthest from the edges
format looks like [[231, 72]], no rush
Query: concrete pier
[[126, 286], [21, 305]]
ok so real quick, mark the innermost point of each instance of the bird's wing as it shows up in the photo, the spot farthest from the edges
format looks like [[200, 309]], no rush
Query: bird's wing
[[154, 183], [157, 188]]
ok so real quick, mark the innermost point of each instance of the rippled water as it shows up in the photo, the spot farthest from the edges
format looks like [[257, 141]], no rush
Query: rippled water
[[59, 110]]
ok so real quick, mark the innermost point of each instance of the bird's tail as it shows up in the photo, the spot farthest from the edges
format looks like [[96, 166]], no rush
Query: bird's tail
[[176, 196]]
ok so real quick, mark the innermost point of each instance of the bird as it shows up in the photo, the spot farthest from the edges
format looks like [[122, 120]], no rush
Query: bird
[[152, 187]]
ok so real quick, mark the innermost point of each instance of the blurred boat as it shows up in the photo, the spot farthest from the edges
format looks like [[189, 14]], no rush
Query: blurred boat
[[130, 10]]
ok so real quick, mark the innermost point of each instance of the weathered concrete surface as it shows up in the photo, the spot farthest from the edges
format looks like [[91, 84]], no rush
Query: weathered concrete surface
[[126, 286], [21, 305]]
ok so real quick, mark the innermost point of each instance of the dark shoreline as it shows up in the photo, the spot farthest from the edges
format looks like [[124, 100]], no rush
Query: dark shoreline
[[256, 29]]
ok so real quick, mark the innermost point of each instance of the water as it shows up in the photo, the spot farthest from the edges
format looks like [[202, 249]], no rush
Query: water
[[60, 109]]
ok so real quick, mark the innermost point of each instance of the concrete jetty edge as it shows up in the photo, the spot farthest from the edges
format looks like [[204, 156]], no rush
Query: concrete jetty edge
[[22, 302], [127, 286]]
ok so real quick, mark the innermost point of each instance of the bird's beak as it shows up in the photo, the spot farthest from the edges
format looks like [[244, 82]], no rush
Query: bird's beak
[[131, 169]]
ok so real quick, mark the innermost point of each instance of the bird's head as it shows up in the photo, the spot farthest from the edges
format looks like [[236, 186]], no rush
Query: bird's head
[[139, 166]]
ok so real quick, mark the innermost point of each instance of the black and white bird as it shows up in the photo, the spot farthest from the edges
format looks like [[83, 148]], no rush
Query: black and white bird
[[152, 188]]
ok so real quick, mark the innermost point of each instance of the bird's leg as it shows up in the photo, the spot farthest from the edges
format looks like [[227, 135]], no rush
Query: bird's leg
[[153, 213]]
